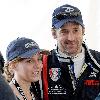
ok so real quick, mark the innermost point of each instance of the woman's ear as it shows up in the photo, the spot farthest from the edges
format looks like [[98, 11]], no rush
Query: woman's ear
[[54, 33], [11, 68], [12, 65]]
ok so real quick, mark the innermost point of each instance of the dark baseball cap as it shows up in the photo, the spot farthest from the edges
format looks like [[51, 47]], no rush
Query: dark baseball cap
[[22, 47], [64, 14]]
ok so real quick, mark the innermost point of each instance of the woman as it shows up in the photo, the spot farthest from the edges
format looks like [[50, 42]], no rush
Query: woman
[[23, 67]]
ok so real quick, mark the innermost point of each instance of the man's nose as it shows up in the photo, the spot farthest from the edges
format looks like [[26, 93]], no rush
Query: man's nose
[[70, 36]]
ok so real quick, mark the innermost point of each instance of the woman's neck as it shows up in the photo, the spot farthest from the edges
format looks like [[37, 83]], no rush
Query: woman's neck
[[25, 85]]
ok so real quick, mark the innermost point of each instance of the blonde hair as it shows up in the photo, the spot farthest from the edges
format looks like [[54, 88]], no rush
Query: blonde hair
[[8, 68], [7, 73]]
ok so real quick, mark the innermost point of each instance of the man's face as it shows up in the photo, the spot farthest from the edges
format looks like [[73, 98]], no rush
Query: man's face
[[69, 38]]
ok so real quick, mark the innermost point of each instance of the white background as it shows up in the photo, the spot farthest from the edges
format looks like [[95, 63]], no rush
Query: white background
[[32, 18]]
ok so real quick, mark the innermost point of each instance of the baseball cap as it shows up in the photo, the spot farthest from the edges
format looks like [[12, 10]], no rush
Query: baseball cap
[[22, 47], [64, 14]]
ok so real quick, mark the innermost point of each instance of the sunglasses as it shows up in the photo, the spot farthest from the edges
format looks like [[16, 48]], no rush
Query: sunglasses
[[64, 15]]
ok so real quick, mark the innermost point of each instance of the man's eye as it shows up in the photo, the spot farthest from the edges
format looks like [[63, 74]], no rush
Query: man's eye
[[64, 31], [76, 30]]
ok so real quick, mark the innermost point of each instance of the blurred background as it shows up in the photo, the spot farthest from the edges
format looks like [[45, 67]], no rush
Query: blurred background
[[32, 18]]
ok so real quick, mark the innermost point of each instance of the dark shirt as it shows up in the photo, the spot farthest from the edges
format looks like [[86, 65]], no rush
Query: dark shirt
[[58, 85], [6, 92]]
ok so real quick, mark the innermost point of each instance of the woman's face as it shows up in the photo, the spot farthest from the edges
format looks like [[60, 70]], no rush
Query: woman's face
[[29, 69]]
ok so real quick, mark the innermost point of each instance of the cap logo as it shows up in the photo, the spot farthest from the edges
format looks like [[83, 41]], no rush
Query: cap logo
[[68, 9], [31, 44]]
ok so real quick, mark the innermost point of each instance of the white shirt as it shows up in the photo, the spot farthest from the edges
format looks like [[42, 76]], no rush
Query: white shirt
[[78, 60]]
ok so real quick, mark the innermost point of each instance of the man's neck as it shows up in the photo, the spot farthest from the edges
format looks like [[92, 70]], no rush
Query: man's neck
[[70, 54], [64, 57]]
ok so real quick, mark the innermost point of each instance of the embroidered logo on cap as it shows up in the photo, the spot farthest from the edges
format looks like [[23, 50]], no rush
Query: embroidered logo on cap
[[68, 9], [31, 44]]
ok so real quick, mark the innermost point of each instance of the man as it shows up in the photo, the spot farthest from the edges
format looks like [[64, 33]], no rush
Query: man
[[71, 71], [6, 92]]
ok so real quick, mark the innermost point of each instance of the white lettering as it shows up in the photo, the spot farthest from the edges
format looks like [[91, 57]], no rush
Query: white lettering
[[68, 9], [31, 44]]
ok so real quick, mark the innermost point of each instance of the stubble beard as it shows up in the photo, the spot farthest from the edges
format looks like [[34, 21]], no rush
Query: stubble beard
[[67, 52]]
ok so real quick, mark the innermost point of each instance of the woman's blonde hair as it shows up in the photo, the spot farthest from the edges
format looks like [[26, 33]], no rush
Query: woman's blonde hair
[[8, 68]]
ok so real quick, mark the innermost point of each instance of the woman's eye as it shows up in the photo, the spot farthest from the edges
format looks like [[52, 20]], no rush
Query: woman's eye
[[29, 61]]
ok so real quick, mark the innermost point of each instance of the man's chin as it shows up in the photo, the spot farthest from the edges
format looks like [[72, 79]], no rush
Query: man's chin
[[71, 52]]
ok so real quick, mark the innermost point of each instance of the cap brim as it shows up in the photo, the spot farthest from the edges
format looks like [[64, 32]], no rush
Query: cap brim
[[29, 53], [62, 22]]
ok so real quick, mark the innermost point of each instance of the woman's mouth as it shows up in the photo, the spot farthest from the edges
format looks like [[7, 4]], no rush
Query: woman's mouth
[[35, 73]]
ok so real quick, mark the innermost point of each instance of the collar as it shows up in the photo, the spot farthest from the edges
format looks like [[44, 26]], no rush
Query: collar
[[65, 58]]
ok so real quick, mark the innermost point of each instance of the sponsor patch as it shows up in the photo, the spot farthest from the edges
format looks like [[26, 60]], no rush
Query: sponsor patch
[[55, 73]]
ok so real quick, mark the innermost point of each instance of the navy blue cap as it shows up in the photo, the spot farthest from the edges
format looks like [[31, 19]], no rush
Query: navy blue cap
[[21, 47], [64, 14]]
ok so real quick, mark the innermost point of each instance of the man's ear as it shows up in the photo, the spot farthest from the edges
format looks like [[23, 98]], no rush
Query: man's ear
[[54, 33], [83, 31]]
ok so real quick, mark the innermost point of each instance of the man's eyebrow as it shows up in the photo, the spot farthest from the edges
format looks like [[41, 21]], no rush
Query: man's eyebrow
[[68, 29], [75, 28]]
